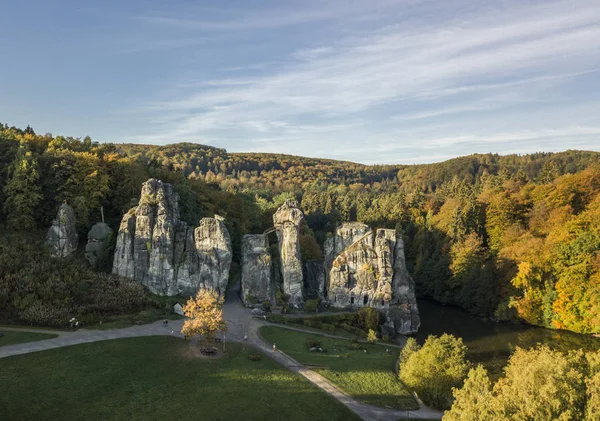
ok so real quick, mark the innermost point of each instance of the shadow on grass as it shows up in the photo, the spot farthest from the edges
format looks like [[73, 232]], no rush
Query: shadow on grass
[[154, 378]]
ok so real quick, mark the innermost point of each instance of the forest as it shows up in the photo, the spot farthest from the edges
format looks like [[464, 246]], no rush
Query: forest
[[514, 237]]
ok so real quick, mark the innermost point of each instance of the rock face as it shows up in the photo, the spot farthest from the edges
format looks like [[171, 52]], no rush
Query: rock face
[[97, 250], [62, 236], [369, 269], [403, 316], [287, 224], [257, 285], [314, 279], [162, 252]]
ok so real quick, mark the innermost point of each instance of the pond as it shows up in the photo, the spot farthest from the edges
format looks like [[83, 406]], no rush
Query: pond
[[492, 343]]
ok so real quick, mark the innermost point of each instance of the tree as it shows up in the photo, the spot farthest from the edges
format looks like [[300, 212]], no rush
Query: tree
[[205, 312], [473, 401], [22, 191], [368, 318], [434, 369]]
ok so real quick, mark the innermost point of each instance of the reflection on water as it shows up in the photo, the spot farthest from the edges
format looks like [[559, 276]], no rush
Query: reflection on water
[[492, 343]]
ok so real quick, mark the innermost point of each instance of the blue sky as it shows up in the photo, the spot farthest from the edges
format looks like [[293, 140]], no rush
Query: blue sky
[[379, 81]]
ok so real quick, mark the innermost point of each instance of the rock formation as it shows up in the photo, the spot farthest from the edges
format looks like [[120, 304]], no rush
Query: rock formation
[[403, 315], [162, 252], [314, 279], [97, 249], [62, 236], [366, 269], [257, 285], [287, 224]]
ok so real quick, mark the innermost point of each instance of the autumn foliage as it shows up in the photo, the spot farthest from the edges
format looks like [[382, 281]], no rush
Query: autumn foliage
[[205, 315]]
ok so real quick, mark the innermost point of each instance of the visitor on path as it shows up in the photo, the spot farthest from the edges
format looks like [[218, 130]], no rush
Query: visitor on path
[[274, 348]]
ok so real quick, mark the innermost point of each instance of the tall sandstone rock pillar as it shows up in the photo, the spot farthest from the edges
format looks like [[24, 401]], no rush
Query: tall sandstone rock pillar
[[287, 224], [256, 269], [162, 252]]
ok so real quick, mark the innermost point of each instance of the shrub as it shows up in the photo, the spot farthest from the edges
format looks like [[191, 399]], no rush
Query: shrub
[[372, 336], [281, 298], [266, 305], [313, 343], [311, 306], [276, 318], [355, 345], [328, 327], [251, 299], [368, 318], [434, 369], [286, 309], [309, 323]]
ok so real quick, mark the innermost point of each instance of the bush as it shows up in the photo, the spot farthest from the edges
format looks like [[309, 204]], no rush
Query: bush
[[434, 369], [281, 298], [311, 306], [328, 327], [308, 323], [266, 305], [276, 318], [312, 343], [250, 299], [368, 318], [286, 309], [355, 345], [372, 336]]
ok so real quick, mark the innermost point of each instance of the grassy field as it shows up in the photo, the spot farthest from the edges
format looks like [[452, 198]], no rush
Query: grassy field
[[367, 376], [12, 337], [156, 378]]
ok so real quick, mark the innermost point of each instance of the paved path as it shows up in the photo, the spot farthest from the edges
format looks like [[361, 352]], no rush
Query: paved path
[[241, 327]]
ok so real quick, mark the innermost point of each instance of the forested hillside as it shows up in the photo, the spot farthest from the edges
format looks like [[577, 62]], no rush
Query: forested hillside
[[506, 237]]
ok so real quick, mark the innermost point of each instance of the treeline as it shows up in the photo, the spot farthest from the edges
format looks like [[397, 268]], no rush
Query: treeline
[[505, 237]]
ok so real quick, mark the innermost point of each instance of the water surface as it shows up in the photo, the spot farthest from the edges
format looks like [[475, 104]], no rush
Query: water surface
[[492, 343]]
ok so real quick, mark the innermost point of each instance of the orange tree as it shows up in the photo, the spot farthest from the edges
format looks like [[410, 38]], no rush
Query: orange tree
[[205, 315]]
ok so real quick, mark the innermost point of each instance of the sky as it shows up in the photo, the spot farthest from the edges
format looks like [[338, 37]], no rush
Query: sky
[[373, 81]]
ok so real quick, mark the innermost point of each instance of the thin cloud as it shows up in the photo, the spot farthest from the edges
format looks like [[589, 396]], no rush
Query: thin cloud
[[427, 66]]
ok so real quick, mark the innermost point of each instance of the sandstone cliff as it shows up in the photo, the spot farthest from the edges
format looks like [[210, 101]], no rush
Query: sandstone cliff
[[162, 252], [368, 269]]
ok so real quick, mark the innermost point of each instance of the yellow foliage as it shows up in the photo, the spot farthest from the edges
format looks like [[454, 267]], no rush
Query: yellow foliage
[[205, 315]]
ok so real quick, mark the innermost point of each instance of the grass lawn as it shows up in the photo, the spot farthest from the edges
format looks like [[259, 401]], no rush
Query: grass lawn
[[12, 337], [367, 376], [156, 378], [141, 318]]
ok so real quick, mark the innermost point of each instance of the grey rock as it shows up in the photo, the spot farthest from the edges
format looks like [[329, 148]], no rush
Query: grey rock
[[403, 316], [62, 236], [370, 270], [314, 279], [177, 309], [163, 253], [257, 312], [257, 283], [287, 224], [97, 249], [213, 247]]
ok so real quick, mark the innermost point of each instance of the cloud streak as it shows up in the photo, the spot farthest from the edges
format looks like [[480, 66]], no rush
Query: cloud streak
[[370, 82]]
